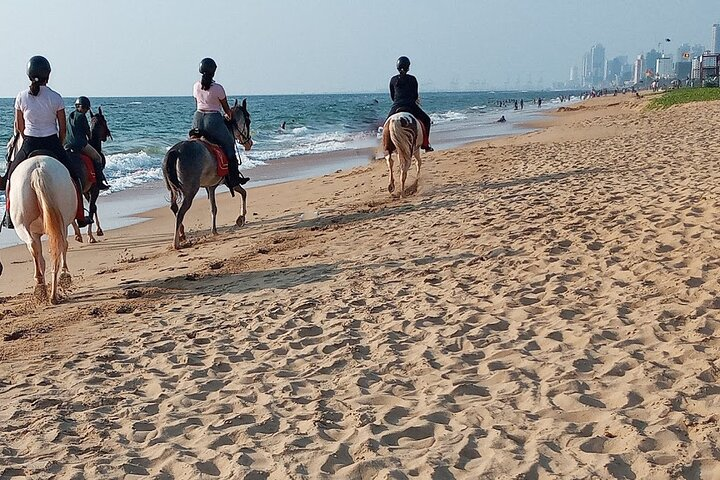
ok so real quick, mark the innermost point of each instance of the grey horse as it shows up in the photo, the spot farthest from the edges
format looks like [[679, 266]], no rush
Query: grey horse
[[189, 165]]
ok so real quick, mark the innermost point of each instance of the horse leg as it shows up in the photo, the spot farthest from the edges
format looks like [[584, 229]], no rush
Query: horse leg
[[418, 162], [213, 208], [78, 233], [240, 221], [65, 278], [35, 248], [179, 228], [391, 184], [404, 167], [100, 232], [92, 210]]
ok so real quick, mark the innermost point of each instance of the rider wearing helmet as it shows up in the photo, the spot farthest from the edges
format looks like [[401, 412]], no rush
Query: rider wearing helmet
[[211, 103], [405, 97], [40, 120], [78, 134]]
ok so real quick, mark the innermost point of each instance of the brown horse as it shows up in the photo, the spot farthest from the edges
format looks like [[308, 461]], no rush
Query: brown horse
[[99, 133], [402, 132]]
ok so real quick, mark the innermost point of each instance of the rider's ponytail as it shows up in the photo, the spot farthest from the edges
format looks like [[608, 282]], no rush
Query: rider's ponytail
[[35, 87], [206, 81]]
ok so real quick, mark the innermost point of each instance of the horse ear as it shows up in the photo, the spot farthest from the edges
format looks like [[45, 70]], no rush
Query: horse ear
[[244, 104], [100, 110], [235, 104]]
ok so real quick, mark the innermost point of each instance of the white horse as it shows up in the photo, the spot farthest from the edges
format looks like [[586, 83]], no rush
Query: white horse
[[402, 132], [43, 200]]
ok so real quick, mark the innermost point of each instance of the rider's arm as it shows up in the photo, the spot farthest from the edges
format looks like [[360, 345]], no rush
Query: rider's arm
[[392, 90], [62, 125], [226, 108], [415, 87], [20, 122]]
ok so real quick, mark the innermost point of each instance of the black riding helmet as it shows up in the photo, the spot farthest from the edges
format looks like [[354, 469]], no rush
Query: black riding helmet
[[38, 68], [208, 66], [403, 64], [83, 102]]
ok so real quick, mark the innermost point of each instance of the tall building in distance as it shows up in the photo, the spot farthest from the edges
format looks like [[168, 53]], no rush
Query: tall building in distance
[[597, 63], [715, 47], [638, 70]]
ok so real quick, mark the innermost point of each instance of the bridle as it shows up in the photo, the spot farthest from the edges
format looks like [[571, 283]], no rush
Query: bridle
[[247, 136]]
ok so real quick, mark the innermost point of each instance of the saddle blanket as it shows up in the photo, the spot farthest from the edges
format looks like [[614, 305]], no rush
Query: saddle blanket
[[220, 157], [90, 168]]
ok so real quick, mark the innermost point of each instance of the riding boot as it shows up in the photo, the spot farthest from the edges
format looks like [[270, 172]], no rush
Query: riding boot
[[101, 180], [234, 178], [80, 217], [7, 221]]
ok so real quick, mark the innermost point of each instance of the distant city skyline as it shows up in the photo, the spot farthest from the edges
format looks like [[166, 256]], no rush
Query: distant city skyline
[[141, 48], [599, 71]]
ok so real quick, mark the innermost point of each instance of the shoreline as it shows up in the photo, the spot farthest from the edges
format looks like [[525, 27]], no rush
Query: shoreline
[[135, 204]]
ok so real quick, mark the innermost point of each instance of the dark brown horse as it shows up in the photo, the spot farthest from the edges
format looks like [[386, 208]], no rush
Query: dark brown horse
[[99, 133]]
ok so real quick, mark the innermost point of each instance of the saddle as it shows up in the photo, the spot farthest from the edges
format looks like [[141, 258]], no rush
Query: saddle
[[215, 149], [88, 163]]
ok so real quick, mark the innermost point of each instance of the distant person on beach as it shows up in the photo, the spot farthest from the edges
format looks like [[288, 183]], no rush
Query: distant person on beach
[[40, 120], [78, 134], [211, 103], [405, 96], [539, 102], [522, 104], [502, 119]]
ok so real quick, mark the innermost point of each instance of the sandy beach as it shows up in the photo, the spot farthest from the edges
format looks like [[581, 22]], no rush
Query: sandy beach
[[541, 306]]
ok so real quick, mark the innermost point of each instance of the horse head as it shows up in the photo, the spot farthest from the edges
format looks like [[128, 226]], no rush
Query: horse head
[[99, 129], [240, 124]]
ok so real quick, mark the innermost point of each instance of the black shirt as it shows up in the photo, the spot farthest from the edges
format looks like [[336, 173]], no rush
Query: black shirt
[[403, 89]]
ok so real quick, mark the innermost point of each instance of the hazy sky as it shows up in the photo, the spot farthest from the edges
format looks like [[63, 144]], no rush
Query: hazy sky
[[150, 47]]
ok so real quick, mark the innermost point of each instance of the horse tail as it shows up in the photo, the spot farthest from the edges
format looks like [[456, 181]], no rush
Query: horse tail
[[54, 226], [170, 168], [403, 136]]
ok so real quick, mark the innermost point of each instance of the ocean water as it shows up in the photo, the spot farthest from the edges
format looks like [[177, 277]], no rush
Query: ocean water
[[145, 127]]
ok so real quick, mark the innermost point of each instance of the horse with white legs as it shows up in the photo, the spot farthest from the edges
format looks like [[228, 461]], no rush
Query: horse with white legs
[[190, 164], [402, 133], [43, 200]]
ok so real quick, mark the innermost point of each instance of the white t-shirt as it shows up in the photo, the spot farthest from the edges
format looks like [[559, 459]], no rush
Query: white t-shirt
[[40, 112], [209, 100]]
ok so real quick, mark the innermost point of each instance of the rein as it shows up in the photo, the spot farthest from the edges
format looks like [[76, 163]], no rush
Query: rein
[[234, 127]]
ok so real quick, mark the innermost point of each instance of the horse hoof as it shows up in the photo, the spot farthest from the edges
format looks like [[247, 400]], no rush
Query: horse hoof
[[78, 238], [240, 221], [215, 232], [92, 240], [40, 294], [391, 188], [100, 233], [65, 280]]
